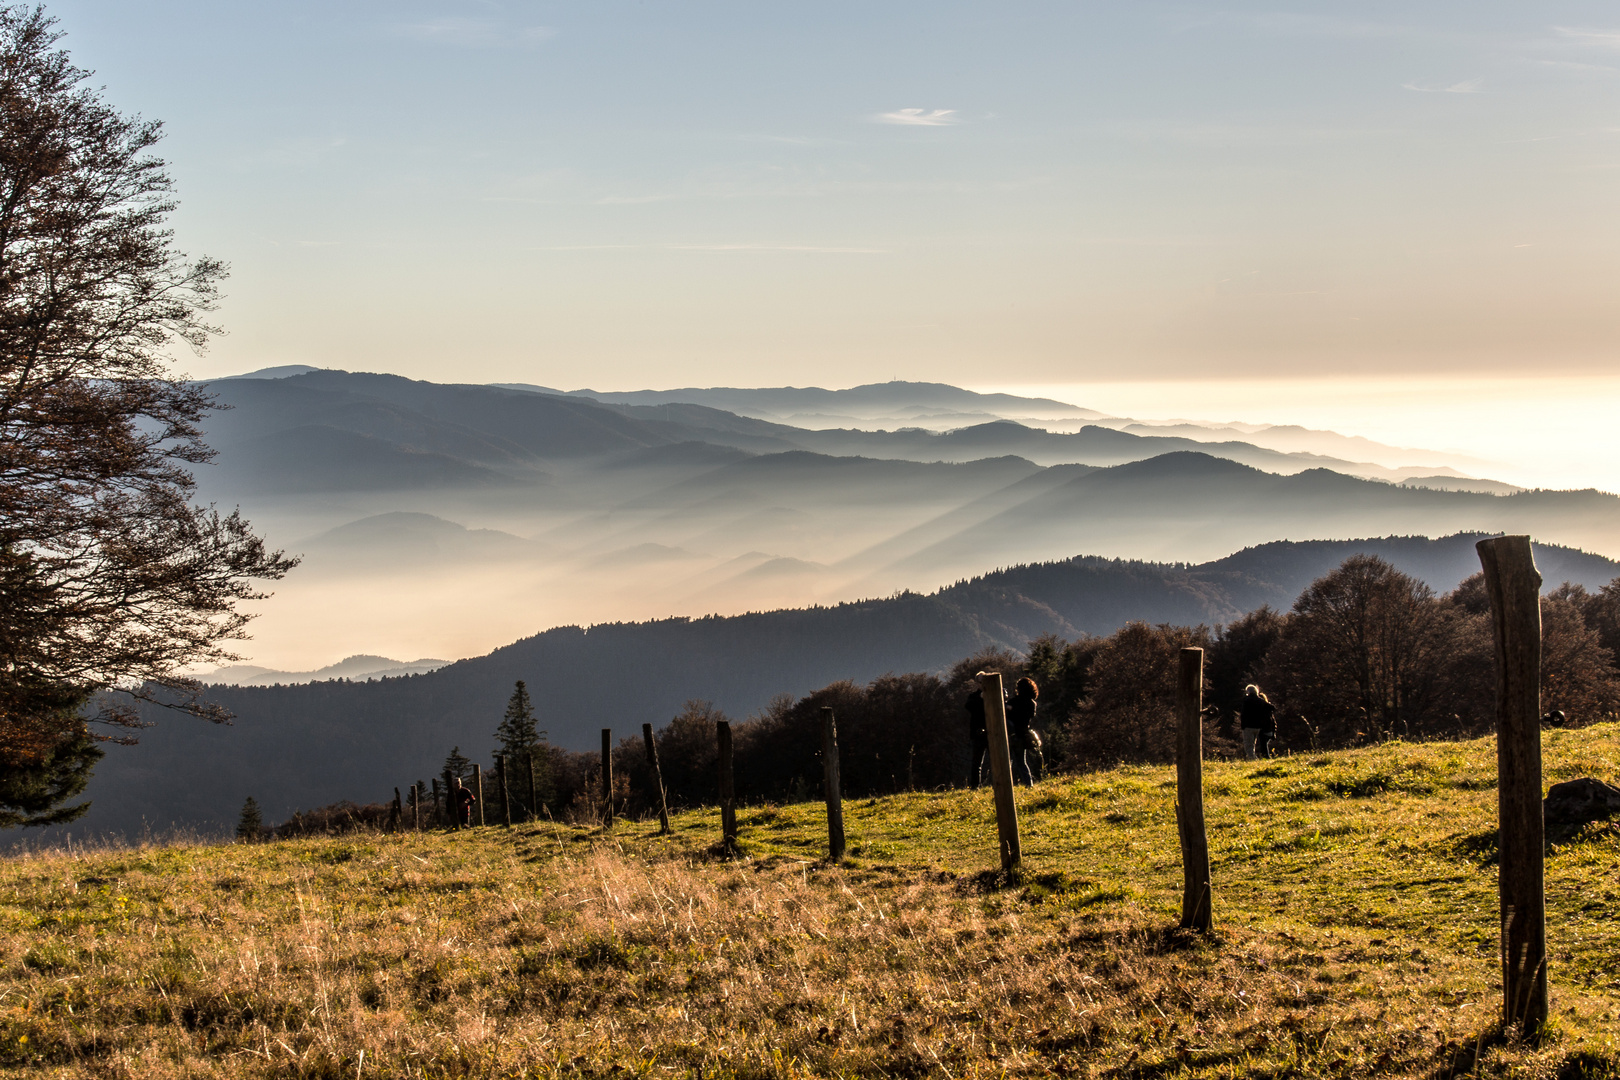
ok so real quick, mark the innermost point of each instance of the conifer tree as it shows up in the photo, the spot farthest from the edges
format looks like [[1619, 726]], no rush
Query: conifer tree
[[522, 742], [250, 826], [519, 733], [456, 764]]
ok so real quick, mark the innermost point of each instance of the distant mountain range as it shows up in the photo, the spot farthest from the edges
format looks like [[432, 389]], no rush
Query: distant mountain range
[[302, 746], [442, 520], [353, 667]]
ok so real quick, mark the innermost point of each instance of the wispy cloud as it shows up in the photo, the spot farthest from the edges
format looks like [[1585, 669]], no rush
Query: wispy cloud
[[1471, 86], [919, 117], [473, 33], [1607, 39]]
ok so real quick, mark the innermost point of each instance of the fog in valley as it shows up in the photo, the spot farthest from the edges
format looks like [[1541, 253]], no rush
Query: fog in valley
[[438, 522]]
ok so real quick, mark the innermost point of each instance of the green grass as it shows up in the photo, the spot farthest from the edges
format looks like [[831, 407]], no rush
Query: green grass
[[1355, 908]]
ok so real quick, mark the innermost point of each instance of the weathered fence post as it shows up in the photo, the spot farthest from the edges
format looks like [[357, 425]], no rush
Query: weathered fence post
[[534, 805], [436, 798], [658, 778], [396, 813], [728, 790], [416, 806], [607, 778], [1195, 890], [1514, 586], [478, 791], [835, 796], [506, 798], [995, 725], [452, 813]]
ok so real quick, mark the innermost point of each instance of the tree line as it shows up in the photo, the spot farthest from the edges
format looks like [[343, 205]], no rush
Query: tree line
[[1365, 654]]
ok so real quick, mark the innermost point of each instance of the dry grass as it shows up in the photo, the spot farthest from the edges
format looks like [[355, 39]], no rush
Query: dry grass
[[1356, 913]]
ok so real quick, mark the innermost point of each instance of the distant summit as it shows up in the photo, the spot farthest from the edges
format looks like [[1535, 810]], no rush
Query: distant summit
[[285, 371], [362, 668]]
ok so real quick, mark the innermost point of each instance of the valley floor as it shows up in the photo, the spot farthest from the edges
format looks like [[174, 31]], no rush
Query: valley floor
[[1355, 912]]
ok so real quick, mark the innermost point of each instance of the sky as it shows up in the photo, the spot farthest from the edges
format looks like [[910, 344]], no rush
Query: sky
[[649, 194]]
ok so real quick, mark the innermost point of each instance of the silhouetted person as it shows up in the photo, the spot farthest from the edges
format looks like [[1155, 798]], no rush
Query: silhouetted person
[[1022, 738], [462, 799], [1258, 719], [978, 739]]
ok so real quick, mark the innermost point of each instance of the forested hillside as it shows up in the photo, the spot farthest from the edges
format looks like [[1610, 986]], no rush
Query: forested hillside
[[302, 746]]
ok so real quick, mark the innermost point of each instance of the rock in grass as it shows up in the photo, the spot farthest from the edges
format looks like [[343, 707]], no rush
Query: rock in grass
[[1575, 802]]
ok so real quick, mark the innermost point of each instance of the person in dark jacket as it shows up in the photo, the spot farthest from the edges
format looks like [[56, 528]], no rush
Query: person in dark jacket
[[1257, 717], [1023, 741], [979, 741], [462, 798]]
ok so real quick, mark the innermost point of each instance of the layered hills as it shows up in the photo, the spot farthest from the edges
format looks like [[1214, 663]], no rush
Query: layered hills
[[301, 746], [444, 520]]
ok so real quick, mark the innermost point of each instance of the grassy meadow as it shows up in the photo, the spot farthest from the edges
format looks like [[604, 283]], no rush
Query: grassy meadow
[[1355, 910]]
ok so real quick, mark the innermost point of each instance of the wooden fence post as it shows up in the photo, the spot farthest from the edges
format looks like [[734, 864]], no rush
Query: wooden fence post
[[396, 813], [658, 778], [416, 806], [452, 814], [835, 796], [534, 805], [728, 789], [445, 819], [607, 777], [1514, 586], [995, 726], [506, 798], [1195, 889], [478, 792]]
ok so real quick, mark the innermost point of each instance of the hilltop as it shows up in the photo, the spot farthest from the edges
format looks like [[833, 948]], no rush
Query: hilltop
[[1355, 911]]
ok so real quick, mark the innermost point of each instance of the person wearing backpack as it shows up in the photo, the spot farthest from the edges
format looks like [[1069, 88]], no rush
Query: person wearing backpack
[[1022, 738], [1257, 717]]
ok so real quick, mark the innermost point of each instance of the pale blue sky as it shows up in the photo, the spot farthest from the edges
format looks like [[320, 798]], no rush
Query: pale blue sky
[[629, 194]]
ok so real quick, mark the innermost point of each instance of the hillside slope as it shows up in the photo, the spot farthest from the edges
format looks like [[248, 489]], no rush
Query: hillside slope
[[1354, 904], [302, 746]]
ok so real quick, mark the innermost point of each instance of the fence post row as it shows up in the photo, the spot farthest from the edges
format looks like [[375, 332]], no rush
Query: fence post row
[[1196, 900], [658, 779], [995, 724], [835, 797], [1514, 586], [607, 777], [506, 799], [728, 791]]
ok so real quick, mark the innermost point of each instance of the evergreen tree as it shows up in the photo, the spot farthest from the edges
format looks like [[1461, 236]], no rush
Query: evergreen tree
[[518, 733], [250, 826], [456, 764]]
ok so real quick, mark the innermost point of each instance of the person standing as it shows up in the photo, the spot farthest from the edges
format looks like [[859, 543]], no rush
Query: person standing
[[462, 799], [1257, 717], [1022, 738]]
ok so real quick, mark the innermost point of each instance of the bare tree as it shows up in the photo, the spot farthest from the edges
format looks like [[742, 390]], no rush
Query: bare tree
[[110, 579]]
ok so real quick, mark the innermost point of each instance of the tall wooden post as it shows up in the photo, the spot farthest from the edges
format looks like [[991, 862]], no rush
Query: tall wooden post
[[1514, 586], [835, 796], [451, 810], [607, 777], [478, 792], [1195, 888], [995, 726], [416, 806], [728, 789], [396, 813], [506, 798], [658, 778], [534, 804]]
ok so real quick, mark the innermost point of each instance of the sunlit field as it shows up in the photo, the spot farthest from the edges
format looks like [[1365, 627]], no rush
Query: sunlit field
[[1355, 914]]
